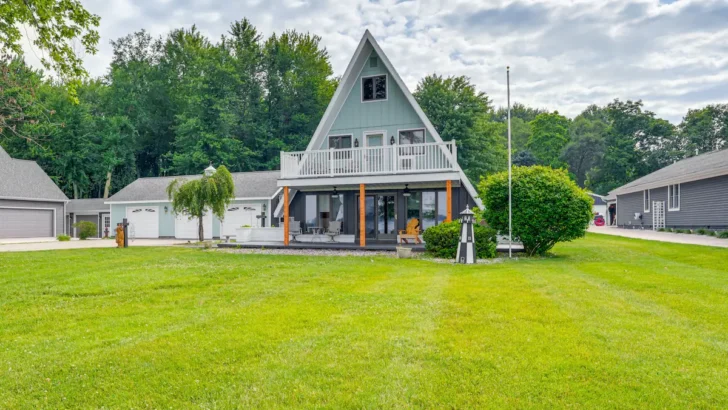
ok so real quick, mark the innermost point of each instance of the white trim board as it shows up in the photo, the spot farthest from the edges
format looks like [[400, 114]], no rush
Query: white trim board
[[373, 179], [18, 198], [367, 44]]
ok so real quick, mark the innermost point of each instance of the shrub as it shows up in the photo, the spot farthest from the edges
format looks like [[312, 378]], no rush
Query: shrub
[[442, 240], [662, 230], [548, 207], [668, 229], [702, 231], [723, 235], [712, 233], [63, 238], [86, 229]]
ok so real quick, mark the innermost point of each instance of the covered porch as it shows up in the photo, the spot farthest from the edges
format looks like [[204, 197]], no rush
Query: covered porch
[[377, 212]]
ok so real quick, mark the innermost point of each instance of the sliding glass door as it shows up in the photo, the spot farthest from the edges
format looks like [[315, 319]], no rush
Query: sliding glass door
[[380, 211]]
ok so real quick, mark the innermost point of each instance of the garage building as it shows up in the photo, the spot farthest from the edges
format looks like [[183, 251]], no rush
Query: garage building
[[31, 205], [145, 205]]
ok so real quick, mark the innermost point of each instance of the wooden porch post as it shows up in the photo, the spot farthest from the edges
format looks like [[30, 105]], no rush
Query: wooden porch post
[[285, 216], [362, 217], [448, 187]]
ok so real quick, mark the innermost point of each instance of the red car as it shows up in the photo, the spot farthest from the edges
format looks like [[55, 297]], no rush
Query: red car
[[599, 220]]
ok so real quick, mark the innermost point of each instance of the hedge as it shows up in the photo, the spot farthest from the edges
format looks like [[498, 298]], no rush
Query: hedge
[[442, 240]]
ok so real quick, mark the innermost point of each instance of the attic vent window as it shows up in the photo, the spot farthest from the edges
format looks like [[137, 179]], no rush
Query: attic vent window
[[374, 88], [372, 62]]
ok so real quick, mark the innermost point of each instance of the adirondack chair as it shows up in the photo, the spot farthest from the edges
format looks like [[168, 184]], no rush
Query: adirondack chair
[[411, 233]]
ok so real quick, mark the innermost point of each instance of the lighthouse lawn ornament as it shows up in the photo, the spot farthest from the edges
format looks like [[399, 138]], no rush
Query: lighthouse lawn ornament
[[466, 247]]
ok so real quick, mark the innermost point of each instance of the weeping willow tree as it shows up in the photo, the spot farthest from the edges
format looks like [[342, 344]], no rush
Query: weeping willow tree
[[211, 193]]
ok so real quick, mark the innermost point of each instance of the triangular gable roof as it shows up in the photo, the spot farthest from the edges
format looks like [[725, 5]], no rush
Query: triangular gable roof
[[368, 44]]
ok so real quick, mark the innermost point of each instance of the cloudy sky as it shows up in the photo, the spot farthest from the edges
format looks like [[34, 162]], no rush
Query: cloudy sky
[[564, 54]]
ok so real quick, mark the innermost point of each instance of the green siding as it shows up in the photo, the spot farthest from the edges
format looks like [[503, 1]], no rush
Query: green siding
[[357, 117]]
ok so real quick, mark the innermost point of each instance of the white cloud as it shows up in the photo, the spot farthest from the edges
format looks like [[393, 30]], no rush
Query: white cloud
[[564, 54]]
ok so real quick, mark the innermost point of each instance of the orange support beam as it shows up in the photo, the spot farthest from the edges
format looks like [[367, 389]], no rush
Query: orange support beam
[[286, 226], [448, 187], [362, 216]]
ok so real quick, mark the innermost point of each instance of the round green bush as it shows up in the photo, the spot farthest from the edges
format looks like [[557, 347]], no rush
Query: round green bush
[[86, 229], [723, 235], [63, 238], [442, 240], [702, 231], [548, 207]]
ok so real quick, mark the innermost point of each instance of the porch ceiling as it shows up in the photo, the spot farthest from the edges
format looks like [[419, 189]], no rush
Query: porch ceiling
[[385, 181]]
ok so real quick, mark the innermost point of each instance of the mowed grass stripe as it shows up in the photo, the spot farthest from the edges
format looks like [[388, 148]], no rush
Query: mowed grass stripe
[[600, 324]]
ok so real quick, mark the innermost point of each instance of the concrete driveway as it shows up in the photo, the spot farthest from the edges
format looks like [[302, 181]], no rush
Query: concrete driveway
[[47, 245], [650, 235]]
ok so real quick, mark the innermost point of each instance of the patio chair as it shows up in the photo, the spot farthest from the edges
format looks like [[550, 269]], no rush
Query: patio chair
[[411, 233], [333, 230], [294, 229]]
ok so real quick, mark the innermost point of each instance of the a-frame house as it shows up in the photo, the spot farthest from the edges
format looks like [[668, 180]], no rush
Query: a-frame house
[[374, 164]]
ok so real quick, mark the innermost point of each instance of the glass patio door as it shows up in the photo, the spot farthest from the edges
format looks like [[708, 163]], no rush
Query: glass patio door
[[380, 213], [386, 217]]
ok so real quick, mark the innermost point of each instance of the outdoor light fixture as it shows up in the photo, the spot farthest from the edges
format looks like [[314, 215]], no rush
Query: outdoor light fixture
[[391, 140], [265, 207], [166, 209], [406, 192], [356, 142]]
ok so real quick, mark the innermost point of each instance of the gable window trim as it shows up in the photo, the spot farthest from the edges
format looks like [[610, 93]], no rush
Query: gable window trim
[[673, 197], [386, 88], [646, 200]]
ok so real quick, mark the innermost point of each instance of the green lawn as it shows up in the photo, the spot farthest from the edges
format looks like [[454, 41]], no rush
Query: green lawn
[[606, 323]]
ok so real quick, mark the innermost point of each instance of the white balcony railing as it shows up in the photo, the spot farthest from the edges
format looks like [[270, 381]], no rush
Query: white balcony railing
[[391, 159]]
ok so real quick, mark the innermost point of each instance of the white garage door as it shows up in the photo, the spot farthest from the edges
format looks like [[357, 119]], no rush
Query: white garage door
[[143, 221], [184, 228], [238, 215], [26, 223]]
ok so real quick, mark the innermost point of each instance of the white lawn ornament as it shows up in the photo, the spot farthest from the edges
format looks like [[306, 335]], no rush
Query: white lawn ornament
[[466, 247]]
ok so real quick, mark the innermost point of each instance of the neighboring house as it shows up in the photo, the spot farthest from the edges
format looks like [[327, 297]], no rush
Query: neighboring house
[[31, 205], [600, 205], [691, 193], [374, 162], [148, 210], [91, 210]]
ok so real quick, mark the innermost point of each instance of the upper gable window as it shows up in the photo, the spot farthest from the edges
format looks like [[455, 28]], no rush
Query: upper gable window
[[374, 88]]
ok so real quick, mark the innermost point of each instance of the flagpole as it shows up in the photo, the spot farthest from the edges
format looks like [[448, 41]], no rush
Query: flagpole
[[510, 174]]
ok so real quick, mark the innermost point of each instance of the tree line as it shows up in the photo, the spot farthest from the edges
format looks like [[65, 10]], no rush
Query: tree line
[[174, 104]]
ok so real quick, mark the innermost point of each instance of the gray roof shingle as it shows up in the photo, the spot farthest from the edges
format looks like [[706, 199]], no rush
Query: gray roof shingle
[[261, 184], [712, 164], [87, 205], [25, 179]]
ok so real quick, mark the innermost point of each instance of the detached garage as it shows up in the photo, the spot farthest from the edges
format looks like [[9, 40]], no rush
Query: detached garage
[[31, 205], [146, 206]]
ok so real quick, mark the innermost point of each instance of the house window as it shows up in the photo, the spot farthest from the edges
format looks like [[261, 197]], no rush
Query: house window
[[411, 137], [673, 197], [339, 141], [374, 88], [322, 209], [429, 207], [413, 206], [646, 200], [311, 211]]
